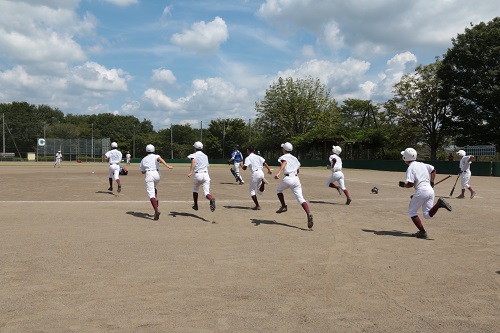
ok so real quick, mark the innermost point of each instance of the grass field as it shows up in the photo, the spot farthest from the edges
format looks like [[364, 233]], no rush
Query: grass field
[[75, 257]]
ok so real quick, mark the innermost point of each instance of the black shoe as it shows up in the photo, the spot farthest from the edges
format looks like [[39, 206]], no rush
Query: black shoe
[[310, 221], [157, 215], [110, 188], [444, 204], [195, 207], [119, 188], [348, 201], [282, 209], [420, 234], [212, 204]]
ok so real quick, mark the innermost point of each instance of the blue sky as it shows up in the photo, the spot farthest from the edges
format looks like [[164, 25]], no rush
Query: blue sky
[[194, 61]]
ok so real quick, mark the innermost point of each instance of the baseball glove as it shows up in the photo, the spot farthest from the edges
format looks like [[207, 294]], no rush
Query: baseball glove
[[401, 184], [375, 190]]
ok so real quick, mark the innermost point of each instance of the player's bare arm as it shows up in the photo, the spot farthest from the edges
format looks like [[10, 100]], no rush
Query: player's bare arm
[[269, 171], [162, 161], [192, 167], [283, 165]]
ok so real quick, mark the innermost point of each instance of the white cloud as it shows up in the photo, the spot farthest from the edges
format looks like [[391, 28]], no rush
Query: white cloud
[[123, 3], [163, 75], [389, 25], [160, 100], [93, 76], [203, 37]]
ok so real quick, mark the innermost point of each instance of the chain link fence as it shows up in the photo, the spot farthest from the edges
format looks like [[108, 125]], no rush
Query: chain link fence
[[85, 150]]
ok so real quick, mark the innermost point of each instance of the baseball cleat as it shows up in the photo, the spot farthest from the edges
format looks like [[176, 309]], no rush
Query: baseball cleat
[[119, 188], [472, 194], [195, 207], [110, 188], [461, 196], [420, 234], [212, 204], [282, 209], [444, 204], [157, 215], [348, 201], [257, 208], [310, 221]]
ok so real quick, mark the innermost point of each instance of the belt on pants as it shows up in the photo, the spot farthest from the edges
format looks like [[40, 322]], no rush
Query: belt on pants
[[152, 170], [290, 174], [201, 171]]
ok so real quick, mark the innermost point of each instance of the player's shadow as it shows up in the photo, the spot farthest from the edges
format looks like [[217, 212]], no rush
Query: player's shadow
[[238, 207], [258, 222], [105, 192], [175, 214], [498, 272], [141, 215], [323, 202], [237, 184], [389, 233]]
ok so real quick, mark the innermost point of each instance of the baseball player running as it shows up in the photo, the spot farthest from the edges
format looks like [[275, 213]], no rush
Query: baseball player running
[[257, 181], [199, 166], [337, 174], [150, 166], [58, 159], [236, 159], [421, 176], [290, 168], [465, 162], [114, 157]]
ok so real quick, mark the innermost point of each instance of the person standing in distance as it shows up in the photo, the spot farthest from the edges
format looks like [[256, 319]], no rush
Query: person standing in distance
[[199, 166], [257, 181], [337, 174], [114, 157], [236, 159], [150, 166], [58, 159], [128, 156], [421, 176], [465, 162], [290, 168]]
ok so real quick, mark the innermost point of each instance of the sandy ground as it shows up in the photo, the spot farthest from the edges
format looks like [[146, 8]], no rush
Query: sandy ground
[[77, 258]]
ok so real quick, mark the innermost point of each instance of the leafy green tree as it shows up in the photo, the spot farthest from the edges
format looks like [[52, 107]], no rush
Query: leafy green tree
[[471, 83], [420, 106], [297, 111], [225, 133], [26, 123]]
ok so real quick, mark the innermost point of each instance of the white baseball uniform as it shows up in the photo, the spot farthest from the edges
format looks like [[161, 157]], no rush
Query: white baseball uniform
[[151, 166], [58, 160], [201, 176], [255, 163], [115, 157], [291, 179], [465, 168], [128, 156], [418, 173], [337, 174]]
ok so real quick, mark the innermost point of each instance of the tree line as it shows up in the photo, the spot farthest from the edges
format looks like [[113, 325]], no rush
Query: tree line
[[452, 102]]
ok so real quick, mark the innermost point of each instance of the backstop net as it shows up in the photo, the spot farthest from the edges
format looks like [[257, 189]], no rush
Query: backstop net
[[87, 150]]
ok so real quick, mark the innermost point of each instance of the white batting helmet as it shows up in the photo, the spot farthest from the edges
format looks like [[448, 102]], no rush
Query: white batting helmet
[[461, 153], [409, 154], [287, 146], [198, 145], [114, 145], [150, 148], [336, 150]]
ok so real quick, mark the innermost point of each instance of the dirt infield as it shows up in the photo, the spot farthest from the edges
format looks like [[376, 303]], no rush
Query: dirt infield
[[76, 258]]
